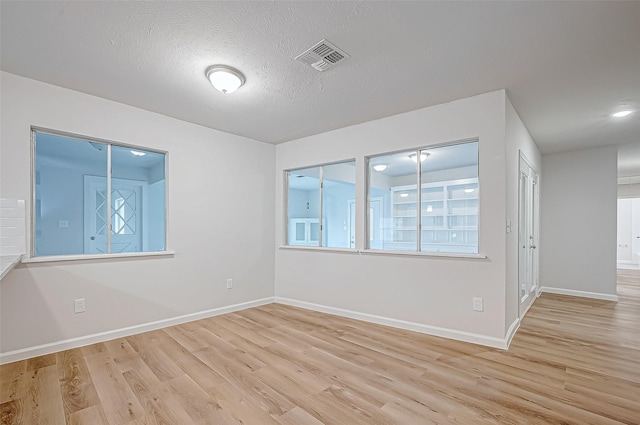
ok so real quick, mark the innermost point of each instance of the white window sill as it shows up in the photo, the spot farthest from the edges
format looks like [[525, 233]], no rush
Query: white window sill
[[97, 256], [424, 254], [318, 248], [7, 263], [384, 252]]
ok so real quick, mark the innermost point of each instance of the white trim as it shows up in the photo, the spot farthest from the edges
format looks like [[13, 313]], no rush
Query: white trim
[[423, 254], [8, 263], [528, 306], [401, 324], [318, 248], [97, 256], [383, 252], [584, 294], [511, 332], [39, 350]]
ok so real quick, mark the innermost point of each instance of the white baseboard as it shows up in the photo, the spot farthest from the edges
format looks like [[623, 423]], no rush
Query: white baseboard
[[512, 331], [584, 294], [489, 341], [27, 353]]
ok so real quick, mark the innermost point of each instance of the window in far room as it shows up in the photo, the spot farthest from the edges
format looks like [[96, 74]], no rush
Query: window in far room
[[320, 208], [442, 217], [96, 197]]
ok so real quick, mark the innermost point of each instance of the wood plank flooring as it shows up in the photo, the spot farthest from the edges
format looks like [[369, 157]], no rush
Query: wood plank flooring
[[573, 361]]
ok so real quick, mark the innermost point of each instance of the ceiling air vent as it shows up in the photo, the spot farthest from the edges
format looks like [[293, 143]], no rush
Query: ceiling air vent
[[322, 56]]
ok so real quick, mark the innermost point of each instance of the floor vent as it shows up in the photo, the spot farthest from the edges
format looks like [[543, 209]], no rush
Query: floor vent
[[322, 56]]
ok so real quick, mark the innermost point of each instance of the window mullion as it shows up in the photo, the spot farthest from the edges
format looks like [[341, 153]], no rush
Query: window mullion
[[320, 215], [109, 224], [419, 201]]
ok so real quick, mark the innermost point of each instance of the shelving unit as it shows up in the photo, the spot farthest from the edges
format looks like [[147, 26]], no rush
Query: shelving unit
[[449, 212]]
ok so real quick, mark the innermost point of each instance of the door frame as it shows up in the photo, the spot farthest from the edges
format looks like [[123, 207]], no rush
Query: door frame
[[532, 241]]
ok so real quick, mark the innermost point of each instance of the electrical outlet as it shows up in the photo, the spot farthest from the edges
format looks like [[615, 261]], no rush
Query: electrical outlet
[[478, 304], [79, 306], [63, 223], [229, 283]]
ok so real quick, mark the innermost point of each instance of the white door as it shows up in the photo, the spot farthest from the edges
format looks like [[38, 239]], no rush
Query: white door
[[635, 231], [352, 223], [375, 223], [126, 215], [527, 236], [625, 233], [629, 231]]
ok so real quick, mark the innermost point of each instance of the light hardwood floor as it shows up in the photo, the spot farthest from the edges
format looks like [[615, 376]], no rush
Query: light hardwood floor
[[573, 361]]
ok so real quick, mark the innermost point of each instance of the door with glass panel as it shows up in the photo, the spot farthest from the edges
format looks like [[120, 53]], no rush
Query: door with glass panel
[[528, 235], [126, 215]]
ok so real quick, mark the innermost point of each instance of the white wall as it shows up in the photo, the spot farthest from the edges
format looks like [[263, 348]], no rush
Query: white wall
[[221, 221], [578, 233], [518, 140], [429, 291]]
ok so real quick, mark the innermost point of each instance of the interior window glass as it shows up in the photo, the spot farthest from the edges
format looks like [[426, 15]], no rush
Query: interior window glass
[[447, 203], [338, 194], [76, 214]]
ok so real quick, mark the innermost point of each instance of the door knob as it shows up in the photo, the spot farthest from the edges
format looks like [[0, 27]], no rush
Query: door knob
[[93, 238], [533, 247]]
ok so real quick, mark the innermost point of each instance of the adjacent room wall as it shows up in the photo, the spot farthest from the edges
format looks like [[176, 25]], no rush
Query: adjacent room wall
[[220, 217], [578, 232], [433, 293], [518, 141]]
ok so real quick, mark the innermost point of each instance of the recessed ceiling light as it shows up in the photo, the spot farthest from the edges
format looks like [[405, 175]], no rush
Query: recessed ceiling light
[[404, 195], [469, 190], [138, 153], [423, 156], [380, 167], [621, 114], [225, 78]]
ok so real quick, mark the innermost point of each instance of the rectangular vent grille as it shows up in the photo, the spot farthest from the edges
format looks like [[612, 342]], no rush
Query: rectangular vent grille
[[323, 55]]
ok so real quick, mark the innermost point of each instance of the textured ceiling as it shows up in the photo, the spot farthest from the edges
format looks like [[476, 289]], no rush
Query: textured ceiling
[[566, 65]]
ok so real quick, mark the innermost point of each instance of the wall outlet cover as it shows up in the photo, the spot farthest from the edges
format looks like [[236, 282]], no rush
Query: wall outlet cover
[[478, 304], [79, 306]]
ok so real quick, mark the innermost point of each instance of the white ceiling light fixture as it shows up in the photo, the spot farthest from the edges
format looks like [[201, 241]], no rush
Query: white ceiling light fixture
[[423, 156], [622, 114], [138, 153], [225, 78], [469, 190], [380, 167], [404, 195]]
